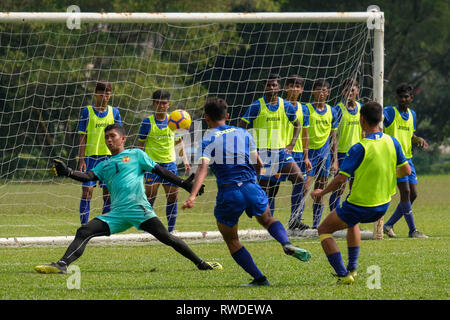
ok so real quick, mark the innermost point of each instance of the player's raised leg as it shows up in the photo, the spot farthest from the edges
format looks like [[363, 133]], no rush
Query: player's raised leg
[[93, 228], [155, 227], [278, 232]]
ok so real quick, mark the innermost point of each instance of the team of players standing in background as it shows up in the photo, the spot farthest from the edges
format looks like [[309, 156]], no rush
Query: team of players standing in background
[[293, 141]]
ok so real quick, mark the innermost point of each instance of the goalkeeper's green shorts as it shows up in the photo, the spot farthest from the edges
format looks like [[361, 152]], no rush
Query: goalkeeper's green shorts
[[119, 221]]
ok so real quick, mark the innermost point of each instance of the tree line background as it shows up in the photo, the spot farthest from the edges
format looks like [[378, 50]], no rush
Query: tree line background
[[416, 51]]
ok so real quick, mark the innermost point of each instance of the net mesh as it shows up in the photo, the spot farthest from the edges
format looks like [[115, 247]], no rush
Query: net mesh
[[49, 75]]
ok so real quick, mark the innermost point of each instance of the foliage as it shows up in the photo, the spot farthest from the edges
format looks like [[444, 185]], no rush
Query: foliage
[[44, 83]]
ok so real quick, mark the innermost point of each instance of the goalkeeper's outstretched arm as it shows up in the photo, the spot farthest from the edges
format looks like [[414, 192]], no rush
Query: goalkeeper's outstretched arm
[[173, 178], [59, 168]]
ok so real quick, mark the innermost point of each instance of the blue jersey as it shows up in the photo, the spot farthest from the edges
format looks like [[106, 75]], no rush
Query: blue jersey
[[82, 125], [355, 155], [227, 149], [146, 126], [389, 115], [254, 109], [123, 174]]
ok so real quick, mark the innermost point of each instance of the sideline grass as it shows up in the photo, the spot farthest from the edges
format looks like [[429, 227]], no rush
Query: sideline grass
[[409, 268]]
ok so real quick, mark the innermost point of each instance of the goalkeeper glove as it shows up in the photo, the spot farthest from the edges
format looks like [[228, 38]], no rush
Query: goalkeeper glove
[[59, 168], [188, 185]]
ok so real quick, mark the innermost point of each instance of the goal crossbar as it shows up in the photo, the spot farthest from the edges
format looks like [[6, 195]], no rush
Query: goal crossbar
[[175, 17]]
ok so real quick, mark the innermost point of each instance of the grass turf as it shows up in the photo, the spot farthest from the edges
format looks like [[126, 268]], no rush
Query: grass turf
[[408, 268]]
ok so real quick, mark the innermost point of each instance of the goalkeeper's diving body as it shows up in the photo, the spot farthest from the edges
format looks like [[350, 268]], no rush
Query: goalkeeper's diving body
[[374, 163], [123, 173], [231, 153]]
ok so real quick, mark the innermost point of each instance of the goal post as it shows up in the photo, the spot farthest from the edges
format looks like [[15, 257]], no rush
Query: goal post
[[49, 72]]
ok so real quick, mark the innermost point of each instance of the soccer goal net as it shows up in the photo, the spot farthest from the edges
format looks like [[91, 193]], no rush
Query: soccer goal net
[[51, 63]]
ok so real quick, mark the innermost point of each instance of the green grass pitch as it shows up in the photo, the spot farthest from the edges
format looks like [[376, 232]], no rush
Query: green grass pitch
[[407, 268]]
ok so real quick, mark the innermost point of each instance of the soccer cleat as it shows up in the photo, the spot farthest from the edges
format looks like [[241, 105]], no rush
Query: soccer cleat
[[353, 273], [347, 280], [417, 234], [53, 267], [258, 283], [204, 265], [300, 254], [297, 224], [389, 231]]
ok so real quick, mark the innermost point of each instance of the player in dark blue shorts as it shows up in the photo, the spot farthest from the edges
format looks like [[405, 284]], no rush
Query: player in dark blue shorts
[[232, 155], [374, 163]]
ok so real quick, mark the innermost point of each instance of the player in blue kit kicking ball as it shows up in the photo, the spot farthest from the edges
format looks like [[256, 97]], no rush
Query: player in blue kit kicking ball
[[232, 155], [123, 174], [374, 163]]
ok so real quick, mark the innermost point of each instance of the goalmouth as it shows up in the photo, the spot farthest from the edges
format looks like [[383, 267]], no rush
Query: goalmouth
[[37, 123]]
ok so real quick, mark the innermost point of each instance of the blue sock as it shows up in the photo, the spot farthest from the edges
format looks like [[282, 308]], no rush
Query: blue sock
[[106, 205], [272, 205], [296, 202], [410, 221], [317, 214], [402, 209], [245, 260], [85, 208], [353, 253], [278, 232], [337, 263], [171, 215], [335, 200]]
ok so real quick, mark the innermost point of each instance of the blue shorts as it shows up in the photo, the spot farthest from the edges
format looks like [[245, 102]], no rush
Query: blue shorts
[[320, 161], [412, 178], [151, 178], [232, 201], [274, 161], [91, 162], [352, 214]]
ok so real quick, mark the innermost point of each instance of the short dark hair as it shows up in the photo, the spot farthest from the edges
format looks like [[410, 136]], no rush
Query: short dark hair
[[321, 83], [373, 112], [216, 108], [161, 95], [295, 79], [103, 86], [405, 88], [273, 76], [117, 127], [349, 82]]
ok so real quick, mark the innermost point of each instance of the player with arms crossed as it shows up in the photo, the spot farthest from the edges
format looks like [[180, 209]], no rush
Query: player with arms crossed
[[294, 87], [93, 149], [231, 153], [123, 173], [349, 131], [322, 143], [400, 122], [374, 161], [159, 141], [270, 116]]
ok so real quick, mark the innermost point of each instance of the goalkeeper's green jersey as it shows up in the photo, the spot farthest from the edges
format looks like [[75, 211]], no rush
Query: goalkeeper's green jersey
[[123, 174]]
